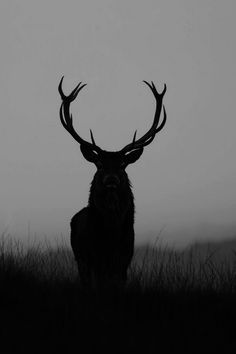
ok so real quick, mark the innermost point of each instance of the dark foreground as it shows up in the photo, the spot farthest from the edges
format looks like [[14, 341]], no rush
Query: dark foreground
[[192, 309]]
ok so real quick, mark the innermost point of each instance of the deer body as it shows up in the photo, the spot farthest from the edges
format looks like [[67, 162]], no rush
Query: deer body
[[102, 234], [103, 251]]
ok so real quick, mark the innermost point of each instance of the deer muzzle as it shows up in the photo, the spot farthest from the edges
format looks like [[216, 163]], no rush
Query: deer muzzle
[[111, 181]]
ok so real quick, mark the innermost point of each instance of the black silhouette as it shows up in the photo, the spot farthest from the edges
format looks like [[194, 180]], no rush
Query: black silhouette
[[102, 234]]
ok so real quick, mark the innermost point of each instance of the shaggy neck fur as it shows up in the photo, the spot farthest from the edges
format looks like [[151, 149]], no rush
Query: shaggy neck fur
[[113, 206]]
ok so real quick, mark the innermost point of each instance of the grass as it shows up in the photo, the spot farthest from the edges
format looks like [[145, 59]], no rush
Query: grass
[[173, 300]]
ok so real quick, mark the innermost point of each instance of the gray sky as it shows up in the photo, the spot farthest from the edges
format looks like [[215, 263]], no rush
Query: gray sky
[[184, 183]]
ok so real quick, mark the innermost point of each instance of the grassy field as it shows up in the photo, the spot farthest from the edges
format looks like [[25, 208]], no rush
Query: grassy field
[[173, 300]]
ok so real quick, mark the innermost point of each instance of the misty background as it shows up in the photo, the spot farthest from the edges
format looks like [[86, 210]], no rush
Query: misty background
[[184, 183]]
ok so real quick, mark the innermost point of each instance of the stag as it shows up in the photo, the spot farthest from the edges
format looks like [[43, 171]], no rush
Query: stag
[[102, 234]]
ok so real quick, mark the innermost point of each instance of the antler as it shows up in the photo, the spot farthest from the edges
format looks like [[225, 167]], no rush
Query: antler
[[66, 116], [147, 138]]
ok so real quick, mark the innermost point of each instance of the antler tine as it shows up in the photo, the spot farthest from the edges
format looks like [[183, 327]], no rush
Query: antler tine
[[151, 137], [92, 138], [147, 138], [66, 117], [133, 142], [72, 96]]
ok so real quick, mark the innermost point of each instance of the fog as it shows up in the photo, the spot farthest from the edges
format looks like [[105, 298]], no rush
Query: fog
[[184, 183]]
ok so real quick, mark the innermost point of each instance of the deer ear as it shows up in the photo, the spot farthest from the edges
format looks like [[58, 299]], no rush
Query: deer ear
[[89, 153], [133, 156]]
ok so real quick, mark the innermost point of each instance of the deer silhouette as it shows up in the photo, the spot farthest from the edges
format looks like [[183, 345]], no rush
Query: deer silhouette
[[102, 234]]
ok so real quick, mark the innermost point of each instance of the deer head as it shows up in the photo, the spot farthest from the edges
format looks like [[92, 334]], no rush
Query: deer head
[[111, 165]]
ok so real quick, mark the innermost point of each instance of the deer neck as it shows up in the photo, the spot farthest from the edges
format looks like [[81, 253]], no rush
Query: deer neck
[[112, 207]]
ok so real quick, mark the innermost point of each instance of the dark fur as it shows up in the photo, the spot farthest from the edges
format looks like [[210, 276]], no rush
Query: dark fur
[[102, 234]]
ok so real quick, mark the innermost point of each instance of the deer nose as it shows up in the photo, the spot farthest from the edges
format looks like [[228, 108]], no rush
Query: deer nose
[[111, 181]]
